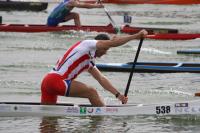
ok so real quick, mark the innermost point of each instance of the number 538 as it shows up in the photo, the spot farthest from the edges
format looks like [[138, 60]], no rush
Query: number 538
[[162, 109]]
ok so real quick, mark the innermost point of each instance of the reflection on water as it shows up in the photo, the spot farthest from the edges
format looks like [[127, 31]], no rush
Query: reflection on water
[[109, 124], [187, 123], [49, 125], [128, 124], [71, 124]]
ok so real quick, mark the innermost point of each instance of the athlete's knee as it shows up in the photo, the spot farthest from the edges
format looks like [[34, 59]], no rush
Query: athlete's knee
[[93, 93]]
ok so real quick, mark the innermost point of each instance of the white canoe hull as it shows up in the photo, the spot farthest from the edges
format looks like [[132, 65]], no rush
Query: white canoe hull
[[24, 109]]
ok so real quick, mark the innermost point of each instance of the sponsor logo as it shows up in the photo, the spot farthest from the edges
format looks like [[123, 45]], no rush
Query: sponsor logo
[[98, 110], [181, 105], [82, 110], [5, 108], [72, 110], [90, 110], [23, 108], [186, 110], [111, 110]]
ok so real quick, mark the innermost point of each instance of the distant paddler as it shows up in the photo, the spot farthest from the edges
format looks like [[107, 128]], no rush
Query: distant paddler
[[63, 12]]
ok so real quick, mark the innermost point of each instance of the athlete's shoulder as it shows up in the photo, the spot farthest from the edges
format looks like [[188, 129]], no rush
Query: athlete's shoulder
[[71, 2], [91, 44], [89, 41]]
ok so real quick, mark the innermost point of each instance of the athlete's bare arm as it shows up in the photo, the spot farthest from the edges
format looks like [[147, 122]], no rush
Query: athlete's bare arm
[[74, 3], [119, 40], [105, 83]]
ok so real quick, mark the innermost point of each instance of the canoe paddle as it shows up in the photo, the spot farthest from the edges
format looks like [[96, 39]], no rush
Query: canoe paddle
[[133, 67], [117, 30]]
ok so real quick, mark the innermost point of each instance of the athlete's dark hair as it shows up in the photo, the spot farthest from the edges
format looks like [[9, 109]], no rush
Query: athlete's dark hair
[[102, 37]]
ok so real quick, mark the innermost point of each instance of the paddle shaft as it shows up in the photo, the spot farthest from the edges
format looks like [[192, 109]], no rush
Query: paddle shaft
[[110, 18], [133, 67]]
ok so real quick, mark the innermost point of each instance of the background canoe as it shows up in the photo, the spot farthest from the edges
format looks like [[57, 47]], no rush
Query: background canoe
[[192, 51], [21, 6], [177, 2], [107, 28], [151, 67], [179, 36]]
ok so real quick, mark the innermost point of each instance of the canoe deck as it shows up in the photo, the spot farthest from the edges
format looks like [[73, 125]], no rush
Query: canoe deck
[[35, 109]]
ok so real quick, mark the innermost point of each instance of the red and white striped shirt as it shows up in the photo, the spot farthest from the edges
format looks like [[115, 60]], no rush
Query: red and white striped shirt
[[77, 58]]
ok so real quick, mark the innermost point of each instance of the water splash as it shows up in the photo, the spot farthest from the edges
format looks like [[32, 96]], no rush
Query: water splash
[[111, 101]]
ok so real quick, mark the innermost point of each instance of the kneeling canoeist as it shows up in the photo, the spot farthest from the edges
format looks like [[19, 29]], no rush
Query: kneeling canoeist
[[61, 81], [62, 12]]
